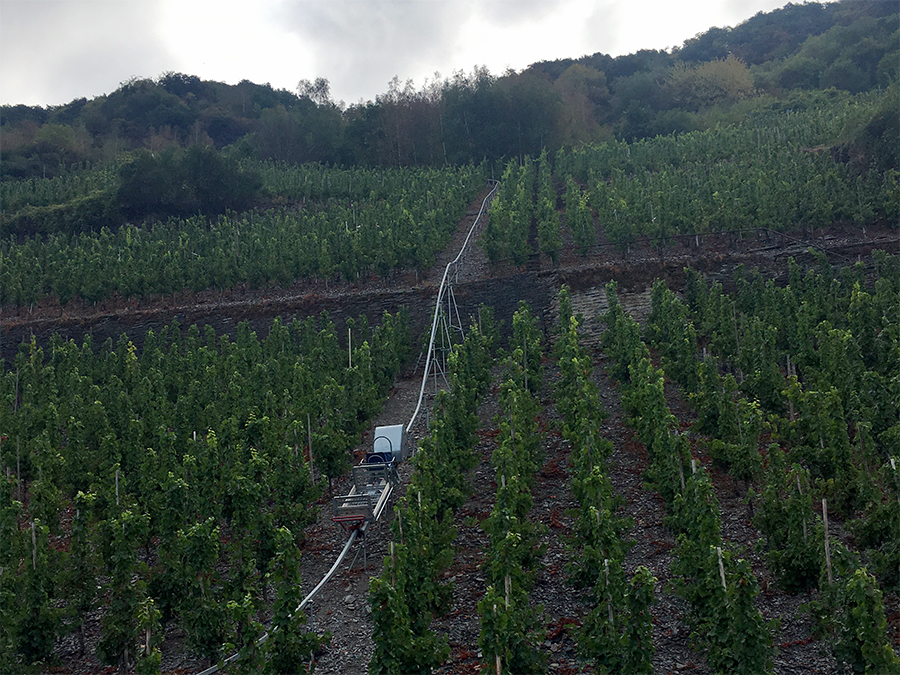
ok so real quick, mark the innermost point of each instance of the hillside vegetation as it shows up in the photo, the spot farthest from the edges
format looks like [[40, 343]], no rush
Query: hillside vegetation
[[149, 224], [714, 79], [156, 491], [787, 122]]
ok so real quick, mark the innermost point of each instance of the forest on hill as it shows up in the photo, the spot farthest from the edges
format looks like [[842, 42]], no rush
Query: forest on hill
[[719, 77]]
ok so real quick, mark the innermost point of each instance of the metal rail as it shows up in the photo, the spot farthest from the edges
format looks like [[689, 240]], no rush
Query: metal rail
[[388, 488], [265, 636], [437, 305]]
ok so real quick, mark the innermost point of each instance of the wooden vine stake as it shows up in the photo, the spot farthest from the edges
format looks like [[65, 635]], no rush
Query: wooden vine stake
[[721, 568], [498, 662], [33, 547], [312, 475], [507, 585], [525, 358], [800, 492], [608, 593], [827, 546], [893, 466], [393, 566], [117, 487]]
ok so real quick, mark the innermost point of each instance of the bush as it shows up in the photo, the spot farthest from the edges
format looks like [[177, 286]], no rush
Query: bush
[[174, 182]]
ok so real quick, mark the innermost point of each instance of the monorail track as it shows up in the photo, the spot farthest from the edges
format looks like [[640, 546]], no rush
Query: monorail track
[[376, 477]]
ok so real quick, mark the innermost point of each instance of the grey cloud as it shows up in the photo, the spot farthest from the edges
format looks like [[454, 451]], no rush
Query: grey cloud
[[601, 27], [52, 51], [360, 45], [514, 12]]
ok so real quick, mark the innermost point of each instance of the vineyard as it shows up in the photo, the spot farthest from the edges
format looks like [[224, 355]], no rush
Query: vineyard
[[772, 173], [332, 224], [708, 483]]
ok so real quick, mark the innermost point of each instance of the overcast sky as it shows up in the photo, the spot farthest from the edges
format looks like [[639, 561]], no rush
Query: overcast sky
[[53, 51]]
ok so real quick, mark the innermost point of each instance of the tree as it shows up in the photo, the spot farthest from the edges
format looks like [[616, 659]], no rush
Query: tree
[[318, 91], [583, 91], [180, 183], [719, 81]]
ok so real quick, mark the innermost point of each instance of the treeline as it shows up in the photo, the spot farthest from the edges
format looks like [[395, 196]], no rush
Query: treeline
[[849, 45]]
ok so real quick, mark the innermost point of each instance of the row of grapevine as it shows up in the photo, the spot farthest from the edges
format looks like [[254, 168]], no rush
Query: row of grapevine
[[831, 398], [579, 217], [78, 182], [773, 171], [410, 591], [760, 174], [836, 417], [617, 633], [760, 134], [511, 627], [787, 191], [719, 586], [527, 194], [548, 234], [508, 228], [400, 225], [173, 484], [320, 182]]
